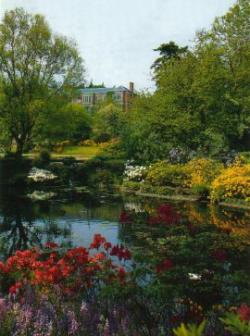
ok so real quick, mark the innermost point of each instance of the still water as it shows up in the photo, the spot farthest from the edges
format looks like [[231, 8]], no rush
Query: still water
[[25, 223]]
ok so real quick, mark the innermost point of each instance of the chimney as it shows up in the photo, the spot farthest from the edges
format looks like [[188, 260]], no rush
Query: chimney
[[131, 87]]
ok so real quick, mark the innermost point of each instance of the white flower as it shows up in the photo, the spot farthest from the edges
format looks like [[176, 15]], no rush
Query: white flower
[[40, 175], [193, 276], [134, 173]]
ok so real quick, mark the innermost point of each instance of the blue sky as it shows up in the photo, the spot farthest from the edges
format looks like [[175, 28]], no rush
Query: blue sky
[[116, 38]]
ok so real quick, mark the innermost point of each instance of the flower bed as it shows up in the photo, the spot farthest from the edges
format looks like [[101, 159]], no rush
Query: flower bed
[[177, 272]]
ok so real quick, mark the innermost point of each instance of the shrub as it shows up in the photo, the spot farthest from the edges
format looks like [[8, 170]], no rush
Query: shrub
[[42, 160], [201, 190], [180, 155], [60, 146], [134, 173], [202, 171], [163, 173], [232, 183], [88, 142], [131, 185]]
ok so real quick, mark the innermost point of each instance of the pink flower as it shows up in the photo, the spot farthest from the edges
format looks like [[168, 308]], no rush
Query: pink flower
[[244, 312]]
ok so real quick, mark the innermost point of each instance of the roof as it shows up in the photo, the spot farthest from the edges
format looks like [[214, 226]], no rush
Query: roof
[[104, 90]]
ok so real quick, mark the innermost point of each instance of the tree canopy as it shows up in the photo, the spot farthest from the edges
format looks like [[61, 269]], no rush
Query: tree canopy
[[35, 67], [202, 94]]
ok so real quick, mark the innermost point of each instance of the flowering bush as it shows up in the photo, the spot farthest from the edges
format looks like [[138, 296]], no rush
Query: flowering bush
[[163, 173], [178, 273], [180, 155], [134, 173], [232, 183], [40, 175], [75, 270], [202, 171]]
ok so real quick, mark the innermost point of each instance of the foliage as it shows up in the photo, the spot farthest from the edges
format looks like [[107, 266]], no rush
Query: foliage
[[180, 155], [43, 159], [202, 98], [232, 183], [177, 273], [190, 330], [235, 325], [69, 122], [107, 121], [168, 52], [37, 69], [202, 171], [202, 190], [163, 173]]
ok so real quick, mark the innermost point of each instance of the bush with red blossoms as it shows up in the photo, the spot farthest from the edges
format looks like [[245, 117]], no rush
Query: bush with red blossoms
[[74, 270], [244, 312]]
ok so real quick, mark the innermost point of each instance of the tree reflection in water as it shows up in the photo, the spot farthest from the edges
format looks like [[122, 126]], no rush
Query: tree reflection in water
[[24, 224]]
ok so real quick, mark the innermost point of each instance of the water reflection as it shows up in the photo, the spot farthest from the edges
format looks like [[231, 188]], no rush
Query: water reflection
[[25, 223]]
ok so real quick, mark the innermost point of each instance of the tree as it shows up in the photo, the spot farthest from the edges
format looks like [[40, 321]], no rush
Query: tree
[[108, 120], [35, 67], [202, 97], [168, 51], [63, 122]]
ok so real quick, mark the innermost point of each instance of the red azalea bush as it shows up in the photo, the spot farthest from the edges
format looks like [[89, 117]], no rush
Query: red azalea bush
[[74, 270]]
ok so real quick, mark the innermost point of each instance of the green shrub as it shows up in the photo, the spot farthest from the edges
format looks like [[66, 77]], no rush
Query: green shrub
[[201, 190], [43, 159], [131, 185], [163, 173], [190, 330], [235, 325]]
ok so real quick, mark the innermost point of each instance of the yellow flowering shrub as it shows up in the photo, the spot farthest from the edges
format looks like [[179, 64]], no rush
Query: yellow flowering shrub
[[232, 183], [202, 171]]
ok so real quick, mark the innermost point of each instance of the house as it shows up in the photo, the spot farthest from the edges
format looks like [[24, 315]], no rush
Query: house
[[91, 96]]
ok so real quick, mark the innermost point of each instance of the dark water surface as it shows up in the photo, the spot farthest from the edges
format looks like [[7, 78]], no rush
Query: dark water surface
[[25, 223]]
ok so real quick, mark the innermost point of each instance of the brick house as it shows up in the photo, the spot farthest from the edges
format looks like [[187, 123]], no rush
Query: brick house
[[89, 97]]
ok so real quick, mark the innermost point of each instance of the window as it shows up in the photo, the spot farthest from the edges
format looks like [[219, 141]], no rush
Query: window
[[87, 99]]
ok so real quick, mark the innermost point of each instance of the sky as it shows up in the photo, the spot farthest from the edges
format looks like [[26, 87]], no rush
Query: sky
[[116, 38]]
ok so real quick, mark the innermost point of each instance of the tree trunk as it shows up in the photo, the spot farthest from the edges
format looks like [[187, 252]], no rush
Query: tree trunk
[[19, 147]]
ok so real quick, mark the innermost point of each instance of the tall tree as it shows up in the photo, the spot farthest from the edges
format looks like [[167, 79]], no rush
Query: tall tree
[[35, 66], [168, 51]]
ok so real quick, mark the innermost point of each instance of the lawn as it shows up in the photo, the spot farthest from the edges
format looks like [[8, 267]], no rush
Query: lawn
[[79, 152]]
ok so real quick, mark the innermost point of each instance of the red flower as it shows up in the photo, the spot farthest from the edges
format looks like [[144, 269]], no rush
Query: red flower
[[15, 288], [121, 252], [244, 312], [51, 245], [219, 255], [164, 266], [97, 241], [125, 218], [2, 267], [121, 274], [107, 245]]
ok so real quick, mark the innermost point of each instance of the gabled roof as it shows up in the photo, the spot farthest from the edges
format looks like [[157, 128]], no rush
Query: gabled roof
[[104, 90]]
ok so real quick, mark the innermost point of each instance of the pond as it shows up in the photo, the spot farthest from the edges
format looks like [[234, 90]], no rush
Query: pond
[[25, 223], [206, 246]]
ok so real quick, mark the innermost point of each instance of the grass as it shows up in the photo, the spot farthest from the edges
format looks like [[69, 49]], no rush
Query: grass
[[79, 152]]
